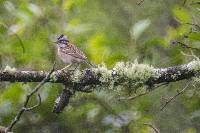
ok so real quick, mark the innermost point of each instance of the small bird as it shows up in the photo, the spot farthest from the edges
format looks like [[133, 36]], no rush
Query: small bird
[[69, 53]]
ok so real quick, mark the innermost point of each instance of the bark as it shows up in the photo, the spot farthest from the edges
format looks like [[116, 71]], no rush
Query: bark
[[89, 77]]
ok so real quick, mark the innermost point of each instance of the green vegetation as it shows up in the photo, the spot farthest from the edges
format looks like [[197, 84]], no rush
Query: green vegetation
[[107, 31]]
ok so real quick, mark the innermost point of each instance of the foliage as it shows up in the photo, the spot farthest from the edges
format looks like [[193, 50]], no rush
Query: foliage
[[108, 32]]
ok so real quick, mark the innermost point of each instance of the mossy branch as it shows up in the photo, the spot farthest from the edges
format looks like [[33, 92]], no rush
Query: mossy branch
[[122, 74]]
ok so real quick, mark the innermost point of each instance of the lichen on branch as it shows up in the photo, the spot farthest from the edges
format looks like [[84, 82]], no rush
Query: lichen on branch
[[128, 75], [194, 65]]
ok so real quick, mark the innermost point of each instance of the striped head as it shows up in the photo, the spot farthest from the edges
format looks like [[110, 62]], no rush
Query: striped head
[[62, 41]]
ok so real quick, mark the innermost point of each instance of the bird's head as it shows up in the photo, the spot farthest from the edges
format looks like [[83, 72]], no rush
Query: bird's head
[[62, 41]]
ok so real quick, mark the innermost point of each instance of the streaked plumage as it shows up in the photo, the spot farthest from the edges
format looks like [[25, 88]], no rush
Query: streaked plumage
[[69, 53]]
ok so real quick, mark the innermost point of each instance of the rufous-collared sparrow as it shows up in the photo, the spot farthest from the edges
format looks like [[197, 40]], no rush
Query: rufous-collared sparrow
[[69, 53]]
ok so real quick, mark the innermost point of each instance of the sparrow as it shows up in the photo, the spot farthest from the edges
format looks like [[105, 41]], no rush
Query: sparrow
[[69, 53]]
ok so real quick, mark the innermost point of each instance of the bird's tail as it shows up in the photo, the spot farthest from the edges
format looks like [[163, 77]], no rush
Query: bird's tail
[[90, 63]]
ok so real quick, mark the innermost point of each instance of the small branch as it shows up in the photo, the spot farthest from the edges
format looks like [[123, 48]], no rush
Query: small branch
[[141, 94], [153, 127], [25, 108], [195, 25], [184, 2], [195, 3], [140, 2], [35, 106], [184, 45], [173, 98], [190, 55], [134, 97]]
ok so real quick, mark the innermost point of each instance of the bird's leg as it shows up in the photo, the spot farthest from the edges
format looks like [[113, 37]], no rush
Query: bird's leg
[[66, 67]]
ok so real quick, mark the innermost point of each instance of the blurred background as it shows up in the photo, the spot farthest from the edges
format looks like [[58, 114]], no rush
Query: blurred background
[[107, 31]]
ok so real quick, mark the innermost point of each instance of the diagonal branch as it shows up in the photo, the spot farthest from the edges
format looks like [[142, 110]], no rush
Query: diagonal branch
[[153, 127], [174, 97], [25, 108]]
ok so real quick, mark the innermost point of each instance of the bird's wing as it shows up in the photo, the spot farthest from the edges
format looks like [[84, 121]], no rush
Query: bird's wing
[[72, 50]]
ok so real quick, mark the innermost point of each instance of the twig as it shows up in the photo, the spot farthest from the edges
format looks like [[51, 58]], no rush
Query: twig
[[141, 94], [194, 3], [195, 25], [184, 2], [134, 97], [140, 2], [153, 127], [190, 55], [28, 96], [35, 106], [172, 98], [186, 45]]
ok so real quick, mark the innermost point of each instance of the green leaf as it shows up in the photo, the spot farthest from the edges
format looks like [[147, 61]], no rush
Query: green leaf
[[194, 36], [181, 14]]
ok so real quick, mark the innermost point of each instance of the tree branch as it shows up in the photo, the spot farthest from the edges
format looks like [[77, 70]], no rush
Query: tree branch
[[63, 99], [94, 76]]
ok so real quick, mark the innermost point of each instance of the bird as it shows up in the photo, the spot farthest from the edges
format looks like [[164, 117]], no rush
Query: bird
[[69, 53]]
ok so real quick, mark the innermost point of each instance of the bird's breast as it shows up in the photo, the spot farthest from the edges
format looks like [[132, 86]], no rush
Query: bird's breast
[[68, 59]]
